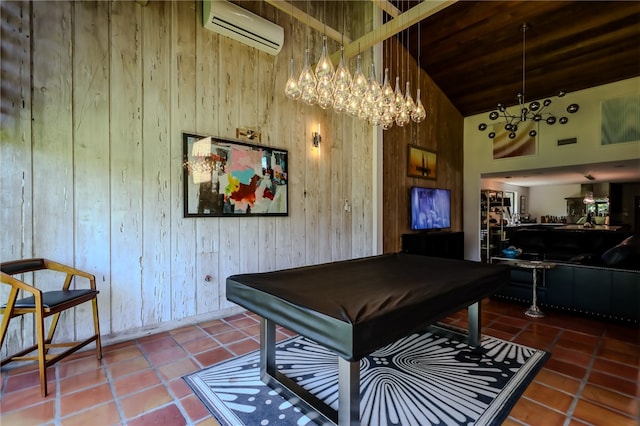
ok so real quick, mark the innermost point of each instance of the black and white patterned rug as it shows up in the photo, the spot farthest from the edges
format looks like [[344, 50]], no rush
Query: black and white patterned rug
[[431, 378]]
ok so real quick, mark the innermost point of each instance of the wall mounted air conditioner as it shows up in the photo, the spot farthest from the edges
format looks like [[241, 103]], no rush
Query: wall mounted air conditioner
[[233, 21]]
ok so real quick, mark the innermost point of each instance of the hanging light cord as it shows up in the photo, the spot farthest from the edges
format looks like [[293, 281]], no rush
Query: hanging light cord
[[524, 31]]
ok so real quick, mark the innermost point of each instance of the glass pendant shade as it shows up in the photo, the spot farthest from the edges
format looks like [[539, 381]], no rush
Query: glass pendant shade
[[310, 96], [386, 121], [399, 99], [374, 90], [387, 90], [307, 79], [324, 69], [340, 101], [342, 78], [359, 84], [292, 89], [409, 105], [419, 113], [402, 118], [325, 94], [353, 105]]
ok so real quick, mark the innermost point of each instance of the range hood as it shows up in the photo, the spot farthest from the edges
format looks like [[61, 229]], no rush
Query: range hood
[[596, 191]]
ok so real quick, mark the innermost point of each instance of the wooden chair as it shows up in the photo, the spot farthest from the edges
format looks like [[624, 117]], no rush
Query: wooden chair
[[43, 304]]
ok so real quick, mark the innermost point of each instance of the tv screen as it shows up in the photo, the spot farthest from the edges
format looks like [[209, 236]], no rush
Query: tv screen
[[430, 208]]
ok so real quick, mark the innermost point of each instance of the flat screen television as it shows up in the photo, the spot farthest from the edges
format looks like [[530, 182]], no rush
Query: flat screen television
[[430, 208]]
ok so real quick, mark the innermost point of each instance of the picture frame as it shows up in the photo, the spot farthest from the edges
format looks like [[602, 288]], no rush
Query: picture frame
[[421, 163], [522, 145], [229, 178]]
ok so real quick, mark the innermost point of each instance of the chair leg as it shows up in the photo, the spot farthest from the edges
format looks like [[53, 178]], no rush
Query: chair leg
[[96, 327], [42, 355], [8, 313], [52, 328]]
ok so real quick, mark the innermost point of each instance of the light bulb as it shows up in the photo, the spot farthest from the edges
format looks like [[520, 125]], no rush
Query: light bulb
[[324, 69], [292, 89]]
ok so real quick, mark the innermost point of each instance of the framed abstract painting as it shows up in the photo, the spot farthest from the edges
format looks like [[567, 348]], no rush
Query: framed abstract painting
[[229, 178]]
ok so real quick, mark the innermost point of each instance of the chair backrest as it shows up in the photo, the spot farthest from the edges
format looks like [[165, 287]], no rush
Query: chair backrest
[[21, 266]]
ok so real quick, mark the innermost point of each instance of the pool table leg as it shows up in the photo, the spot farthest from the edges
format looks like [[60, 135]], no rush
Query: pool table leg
[[348, 381], [348, 392], [267, 349], [474, 324]]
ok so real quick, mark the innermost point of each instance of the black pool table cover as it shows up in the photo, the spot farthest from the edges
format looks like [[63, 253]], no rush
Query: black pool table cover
[[354, 307]]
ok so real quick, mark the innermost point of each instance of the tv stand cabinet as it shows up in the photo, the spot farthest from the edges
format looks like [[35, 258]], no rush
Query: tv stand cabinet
[[436, 244]]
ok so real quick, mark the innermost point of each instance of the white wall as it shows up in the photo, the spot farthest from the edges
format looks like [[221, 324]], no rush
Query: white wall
[[549, 200], [584, 125]]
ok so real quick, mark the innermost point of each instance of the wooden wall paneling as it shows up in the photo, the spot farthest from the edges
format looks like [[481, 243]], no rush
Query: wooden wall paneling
[[325, 186], [16, 196], [52, 128], [265, 78], [156, 169], [207, 122], [91, 154], [312, 188], [294, 114], [336, 190], [158, 82], [441, 131], [126, 166], [244, 79], [361, 145], [229, 103], [345, 178], [393, 165], [326, 161], [273, 74], [271, 119], [184, 284], [362, 209], [229, 255]]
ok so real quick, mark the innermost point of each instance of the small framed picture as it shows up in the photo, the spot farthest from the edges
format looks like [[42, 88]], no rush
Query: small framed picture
[[421, 163]]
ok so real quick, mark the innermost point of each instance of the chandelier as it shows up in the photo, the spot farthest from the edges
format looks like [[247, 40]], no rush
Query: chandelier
[[535, 112], [375, 102]]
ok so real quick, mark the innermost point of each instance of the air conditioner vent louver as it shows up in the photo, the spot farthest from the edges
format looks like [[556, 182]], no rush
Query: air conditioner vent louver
[[235, 22]]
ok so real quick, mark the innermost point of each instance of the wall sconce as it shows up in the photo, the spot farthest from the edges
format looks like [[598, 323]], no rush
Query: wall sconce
[[316, 138]]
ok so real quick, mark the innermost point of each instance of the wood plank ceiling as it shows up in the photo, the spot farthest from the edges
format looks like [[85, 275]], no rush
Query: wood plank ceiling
[[473, 49]]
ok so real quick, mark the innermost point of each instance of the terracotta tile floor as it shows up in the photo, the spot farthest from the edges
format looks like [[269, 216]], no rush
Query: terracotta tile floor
[[592, 377]]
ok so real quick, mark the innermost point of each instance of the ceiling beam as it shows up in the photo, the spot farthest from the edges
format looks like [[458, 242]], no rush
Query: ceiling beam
[[401, 22], [309, 20], [387, 7]]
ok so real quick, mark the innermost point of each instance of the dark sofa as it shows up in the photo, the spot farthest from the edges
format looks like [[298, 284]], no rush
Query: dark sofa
[[597, 272]]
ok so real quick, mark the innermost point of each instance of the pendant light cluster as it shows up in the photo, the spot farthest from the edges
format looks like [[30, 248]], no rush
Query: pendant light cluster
[[365, 98], [535, 112]]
